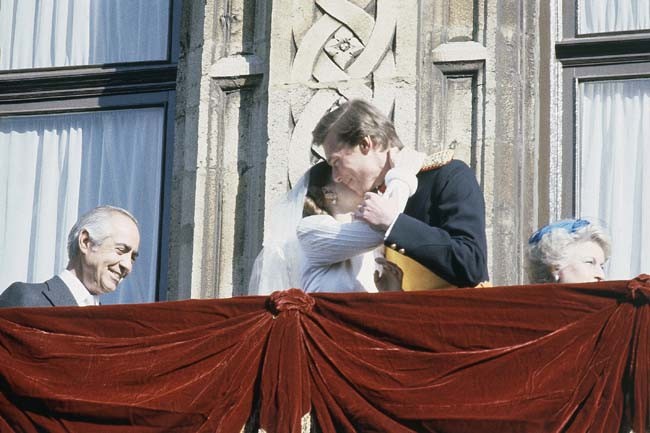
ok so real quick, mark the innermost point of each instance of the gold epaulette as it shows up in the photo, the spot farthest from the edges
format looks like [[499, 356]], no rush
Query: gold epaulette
[[437, 160]]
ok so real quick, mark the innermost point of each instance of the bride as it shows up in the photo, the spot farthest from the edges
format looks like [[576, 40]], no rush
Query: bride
[[315, 243]]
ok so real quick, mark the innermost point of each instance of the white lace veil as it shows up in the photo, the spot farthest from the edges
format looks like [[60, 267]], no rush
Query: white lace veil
[[278, 265]]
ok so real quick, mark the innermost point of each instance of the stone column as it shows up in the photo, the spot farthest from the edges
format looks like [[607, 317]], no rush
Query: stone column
[[220, 149], [478, 97], [326, 51]]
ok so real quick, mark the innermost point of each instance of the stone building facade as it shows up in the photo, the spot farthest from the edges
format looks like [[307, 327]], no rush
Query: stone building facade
[[255, 76], [476, 76]]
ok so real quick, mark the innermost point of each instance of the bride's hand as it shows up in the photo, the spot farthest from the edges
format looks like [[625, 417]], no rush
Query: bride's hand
[[390, 279]]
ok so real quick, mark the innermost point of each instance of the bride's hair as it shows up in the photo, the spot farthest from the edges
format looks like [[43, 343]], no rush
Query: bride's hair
[[315, 203]]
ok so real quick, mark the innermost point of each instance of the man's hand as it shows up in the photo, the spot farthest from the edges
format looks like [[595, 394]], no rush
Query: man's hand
[[390, 279], [377, 210]]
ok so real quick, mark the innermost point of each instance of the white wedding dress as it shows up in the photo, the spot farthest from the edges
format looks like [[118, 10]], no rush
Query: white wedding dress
[[338, 257], [320, 254]]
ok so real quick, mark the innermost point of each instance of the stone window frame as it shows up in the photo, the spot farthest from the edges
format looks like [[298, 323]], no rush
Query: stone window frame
[[581, 58], [92, 88]]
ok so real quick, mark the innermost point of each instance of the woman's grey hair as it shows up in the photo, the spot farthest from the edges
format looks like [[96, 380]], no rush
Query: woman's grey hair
[[354, 120], [97, 223], [547, 247]]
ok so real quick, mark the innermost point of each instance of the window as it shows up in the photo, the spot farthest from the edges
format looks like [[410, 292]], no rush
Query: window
[[605, 58], [597, 16], [87, 90], [54, 33]]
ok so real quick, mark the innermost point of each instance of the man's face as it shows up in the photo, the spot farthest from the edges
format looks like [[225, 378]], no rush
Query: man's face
[[358, 167], [105, 266], [585, 262]]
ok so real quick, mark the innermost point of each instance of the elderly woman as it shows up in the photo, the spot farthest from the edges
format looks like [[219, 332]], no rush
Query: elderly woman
[[568, 251]]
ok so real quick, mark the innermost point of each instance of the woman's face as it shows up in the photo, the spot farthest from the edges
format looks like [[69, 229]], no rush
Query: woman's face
[[585, 262], [346, 201]]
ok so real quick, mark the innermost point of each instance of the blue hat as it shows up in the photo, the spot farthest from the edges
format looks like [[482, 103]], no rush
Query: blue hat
[[570, 226]]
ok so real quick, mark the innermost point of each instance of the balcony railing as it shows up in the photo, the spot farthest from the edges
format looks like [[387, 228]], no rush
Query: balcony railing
[[538, 358]]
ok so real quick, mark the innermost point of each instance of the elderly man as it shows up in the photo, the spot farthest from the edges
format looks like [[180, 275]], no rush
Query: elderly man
[[443, 224], [102, 248]]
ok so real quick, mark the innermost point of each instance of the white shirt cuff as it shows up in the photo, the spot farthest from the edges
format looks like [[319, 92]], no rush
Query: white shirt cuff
[[390, 227]]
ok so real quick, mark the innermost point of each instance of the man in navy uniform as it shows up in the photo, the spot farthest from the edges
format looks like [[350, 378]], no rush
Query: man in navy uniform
[[443, 225]]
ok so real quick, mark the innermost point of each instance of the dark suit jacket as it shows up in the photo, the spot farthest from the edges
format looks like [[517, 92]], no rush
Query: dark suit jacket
[[51, 293], [443, 225]]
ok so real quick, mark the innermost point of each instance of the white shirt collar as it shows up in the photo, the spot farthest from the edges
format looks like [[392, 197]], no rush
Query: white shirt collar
[[79, 291]]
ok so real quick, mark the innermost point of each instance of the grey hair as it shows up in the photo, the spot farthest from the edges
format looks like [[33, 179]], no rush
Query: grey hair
[[97, 223], [354, 120], [546, 257]]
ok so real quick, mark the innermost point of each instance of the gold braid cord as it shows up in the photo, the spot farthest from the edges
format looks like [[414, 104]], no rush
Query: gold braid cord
[[437, 160]]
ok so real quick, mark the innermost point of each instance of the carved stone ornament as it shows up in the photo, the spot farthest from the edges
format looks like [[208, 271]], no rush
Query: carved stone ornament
[[345, 53], [343, 47]]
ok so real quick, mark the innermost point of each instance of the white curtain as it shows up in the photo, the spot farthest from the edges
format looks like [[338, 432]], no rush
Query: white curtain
[[53, 168], [603, 16], [52, 33], [614, 162]]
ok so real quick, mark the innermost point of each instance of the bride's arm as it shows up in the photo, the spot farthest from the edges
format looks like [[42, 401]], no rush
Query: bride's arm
[[325, 241]]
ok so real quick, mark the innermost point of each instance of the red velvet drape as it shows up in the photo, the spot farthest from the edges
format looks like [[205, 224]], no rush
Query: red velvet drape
[[544, 358]]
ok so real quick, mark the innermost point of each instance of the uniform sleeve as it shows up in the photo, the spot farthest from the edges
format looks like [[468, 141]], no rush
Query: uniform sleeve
[[455, 249], [325, 241]]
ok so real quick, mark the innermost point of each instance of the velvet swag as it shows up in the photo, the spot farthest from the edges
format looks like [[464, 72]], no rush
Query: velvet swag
[[538, 358]]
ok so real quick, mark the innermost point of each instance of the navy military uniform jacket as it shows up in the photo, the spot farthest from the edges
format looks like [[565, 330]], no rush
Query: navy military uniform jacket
[[443, 225], [51, 293]]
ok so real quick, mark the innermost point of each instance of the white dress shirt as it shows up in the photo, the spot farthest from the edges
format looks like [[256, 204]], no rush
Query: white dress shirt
[[78, 290]]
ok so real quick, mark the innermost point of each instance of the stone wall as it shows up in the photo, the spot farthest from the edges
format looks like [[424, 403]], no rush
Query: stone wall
[[255, 77], [221, 148]]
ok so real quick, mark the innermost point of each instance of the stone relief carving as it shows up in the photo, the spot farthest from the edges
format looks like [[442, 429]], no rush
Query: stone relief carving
[[345, 52], [343, 47]]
